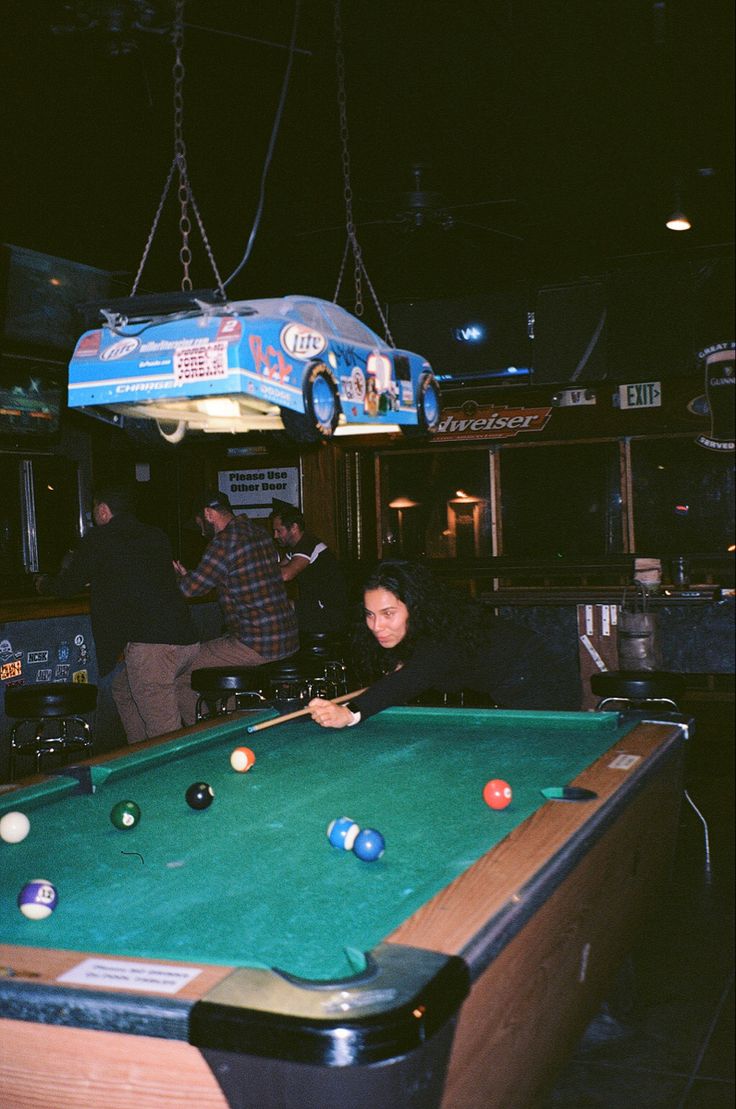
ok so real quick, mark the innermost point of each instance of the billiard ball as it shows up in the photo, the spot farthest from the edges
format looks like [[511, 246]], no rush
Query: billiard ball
[[125, 814], [38, 899], [200, 795], [242, 759], [369, 845], [14, 827], [497, 793], [342, 832]]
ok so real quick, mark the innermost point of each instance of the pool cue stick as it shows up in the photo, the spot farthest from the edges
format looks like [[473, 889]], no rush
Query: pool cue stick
[[301, 712]]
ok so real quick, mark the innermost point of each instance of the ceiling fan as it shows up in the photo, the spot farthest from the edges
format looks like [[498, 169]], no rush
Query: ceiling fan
[[422, 209]]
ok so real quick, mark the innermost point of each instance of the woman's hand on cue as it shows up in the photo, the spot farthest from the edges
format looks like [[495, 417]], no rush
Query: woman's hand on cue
[[329, 715]]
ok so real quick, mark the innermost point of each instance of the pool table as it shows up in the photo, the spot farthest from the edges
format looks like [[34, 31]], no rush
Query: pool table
[[232, 957]]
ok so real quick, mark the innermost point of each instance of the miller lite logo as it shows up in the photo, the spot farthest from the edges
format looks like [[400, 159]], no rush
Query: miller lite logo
[[121, 349], [302, 342]]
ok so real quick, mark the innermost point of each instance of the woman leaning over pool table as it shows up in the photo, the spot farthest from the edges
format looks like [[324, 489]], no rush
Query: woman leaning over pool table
[[419, 636]]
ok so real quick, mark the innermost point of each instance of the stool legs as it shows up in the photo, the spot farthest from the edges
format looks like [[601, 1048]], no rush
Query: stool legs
[[42, 745], [638, 705], [210, 705]]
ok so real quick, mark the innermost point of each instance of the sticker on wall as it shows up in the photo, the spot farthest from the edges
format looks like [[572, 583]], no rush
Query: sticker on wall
[[6, 651], [62, 652], [81, 677], [62, 671], [11, 669], [43, 675], [37, 656], [78, 640]]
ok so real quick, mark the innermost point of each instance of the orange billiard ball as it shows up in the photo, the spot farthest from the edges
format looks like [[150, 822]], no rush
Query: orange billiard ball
[[242, 759], [497, 793]]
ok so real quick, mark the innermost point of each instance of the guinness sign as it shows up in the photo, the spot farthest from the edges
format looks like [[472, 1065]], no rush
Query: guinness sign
[[718, 363]]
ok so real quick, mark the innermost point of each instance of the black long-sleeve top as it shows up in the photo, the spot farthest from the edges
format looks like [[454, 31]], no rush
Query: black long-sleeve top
[[513, 666], [134, 595]]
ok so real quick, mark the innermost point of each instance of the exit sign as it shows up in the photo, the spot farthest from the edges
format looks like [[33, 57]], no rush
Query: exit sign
[[642, 394]]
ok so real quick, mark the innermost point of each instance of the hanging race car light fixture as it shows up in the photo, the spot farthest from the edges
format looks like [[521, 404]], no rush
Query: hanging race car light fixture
[[194, 360]]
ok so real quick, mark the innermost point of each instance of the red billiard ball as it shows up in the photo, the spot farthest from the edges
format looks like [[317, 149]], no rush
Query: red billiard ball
[[497, 793]]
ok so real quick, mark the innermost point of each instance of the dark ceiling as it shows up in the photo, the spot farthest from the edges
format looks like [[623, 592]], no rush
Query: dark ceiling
[[553, 133]]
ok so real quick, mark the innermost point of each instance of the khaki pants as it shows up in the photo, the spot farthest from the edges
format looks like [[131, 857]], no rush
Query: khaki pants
[[151, 689], [225, 651]]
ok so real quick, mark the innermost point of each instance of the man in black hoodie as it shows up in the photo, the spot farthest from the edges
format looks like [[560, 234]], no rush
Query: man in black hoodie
[[140, 622]]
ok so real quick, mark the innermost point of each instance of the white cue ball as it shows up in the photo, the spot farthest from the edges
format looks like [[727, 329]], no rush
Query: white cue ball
[[14, 827]]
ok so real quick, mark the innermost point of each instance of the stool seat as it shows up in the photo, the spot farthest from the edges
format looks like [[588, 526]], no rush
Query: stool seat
[[322, 645], [638, 686], [51, 712], [50, 699], [286, 683], [226, 679]]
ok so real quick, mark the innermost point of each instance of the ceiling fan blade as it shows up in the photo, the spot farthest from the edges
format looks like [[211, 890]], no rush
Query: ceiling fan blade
[[481, 203], [491, 230]]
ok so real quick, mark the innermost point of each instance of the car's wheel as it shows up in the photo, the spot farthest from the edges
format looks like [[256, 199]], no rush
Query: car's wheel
[[173, 431], [321, 408], [429, 407], [161, 434]]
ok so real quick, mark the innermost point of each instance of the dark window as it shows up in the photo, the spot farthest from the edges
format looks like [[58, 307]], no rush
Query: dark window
[[436, 504], [683, 498], [57, 510], [561, 501]]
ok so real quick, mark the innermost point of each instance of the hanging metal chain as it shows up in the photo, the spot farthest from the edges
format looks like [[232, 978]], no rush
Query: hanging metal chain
[[185, 194], [359, 270]]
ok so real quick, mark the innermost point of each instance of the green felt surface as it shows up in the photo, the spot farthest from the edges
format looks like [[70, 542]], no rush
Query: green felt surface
[[253, 880]]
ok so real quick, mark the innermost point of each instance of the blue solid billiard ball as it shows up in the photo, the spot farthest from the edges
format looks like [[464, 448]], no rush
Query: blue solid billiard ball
[[342, 832], [38, 899], [369, 845], [199, 795]]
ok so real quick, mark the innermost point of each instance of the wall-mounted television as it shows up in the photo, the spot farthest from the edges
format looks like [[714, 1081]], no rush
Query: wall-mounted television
[[40, 295], [468, 337], [31, 400]]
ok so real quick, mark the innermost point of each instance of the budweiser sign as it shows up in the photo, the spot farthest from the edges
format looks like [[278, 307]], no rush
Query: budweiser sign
[[474, 421]]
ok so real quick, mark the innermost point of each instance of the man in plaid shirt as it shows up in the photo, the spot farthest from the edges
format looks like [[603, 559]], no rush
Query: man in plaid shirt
[[241, 564]]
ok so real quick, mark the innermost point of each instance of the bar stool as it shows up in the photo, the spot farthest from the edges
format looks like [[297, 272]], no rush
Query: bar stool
[[226, 689], [285, 685], [51, 712], [637, 689], [329, 651]]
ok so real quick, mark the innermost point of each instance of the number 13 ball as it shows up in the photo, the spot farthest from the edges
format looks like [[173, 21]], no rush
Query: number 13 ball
[[497, 793]]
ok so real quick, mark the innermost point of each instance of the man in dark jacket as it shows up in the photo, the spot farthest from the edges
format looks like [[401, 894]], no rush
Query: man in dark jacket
[[140, 622], [322, 604]]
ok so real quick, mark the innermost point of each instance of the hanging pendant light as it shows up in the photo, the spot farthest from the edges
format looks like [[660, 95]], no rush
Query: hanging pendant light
[[678, 221]]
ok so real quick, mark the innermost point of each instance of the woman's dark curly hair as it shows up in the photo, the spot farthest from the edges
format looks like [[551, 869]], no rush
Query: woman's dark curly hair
[[436, 613]]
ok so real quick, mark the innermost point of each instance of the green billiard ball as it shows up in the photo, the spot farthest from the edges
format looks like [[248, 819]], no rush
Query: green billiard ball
[[125, 814]]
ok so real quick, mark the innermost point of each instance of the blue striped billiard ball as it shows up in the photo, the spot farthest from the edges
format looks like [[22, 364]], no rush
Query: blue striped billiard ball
[[369, 845], [342, 832]]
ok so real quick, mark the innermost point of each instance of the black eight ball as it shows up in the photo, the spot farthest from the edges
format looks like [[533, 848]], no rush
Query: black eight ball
[[199, 795]]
